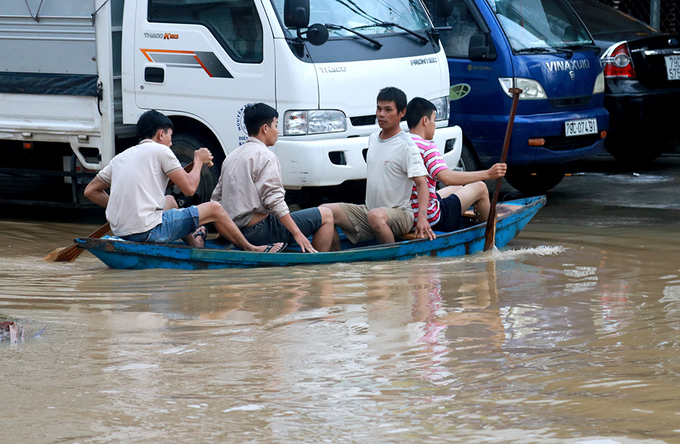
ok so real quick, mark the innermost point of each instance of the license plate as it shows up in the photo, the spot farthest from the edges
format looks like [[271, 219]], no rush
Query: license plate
[[673, 67], [580, 127]]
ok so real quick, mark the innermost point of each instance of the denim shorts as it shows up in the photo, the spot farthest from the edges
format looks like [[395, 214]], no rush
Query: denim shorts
[[270, 229], [176, 223]]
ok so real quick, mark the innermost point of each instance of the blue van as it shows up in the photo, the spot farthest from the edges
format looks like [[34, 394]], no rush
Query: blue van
[[542, 47]]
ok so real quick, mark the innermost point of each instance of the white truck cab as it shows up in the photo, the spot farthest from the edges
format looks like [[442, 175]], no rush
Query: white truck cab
[[201, 62]]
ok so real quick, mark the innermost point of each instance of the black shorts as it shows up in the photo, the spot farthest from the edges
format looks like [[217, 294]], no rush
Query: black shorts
[[449, 220], [270, 229]]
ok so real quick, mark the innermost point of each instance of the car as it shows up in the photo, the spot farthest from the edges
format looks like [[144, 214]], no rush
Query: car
[[642, 82]]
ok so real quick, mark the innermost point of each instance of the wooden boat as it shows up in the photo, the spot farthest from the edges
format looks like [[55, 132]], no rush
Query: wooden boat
[[513, 216]]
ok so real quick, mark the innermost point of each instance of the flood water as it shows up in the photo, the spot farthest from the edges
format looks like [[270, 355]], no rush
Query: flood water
[[569, 334]]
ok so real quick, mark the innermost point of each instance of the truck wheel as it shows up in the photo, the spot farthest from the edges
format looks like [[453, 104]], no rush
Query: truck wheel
[[468, 160], [535, 179], [184, 145], [12, 186]]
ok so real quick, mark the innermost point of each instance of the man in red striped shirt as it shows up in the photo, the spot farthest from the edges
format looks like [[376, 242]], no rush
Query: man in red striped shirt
[[464, 188]]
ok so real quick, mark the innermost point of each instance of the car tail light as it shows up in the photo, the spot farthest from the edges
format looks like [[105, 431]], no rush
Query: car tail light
[[616, 61]]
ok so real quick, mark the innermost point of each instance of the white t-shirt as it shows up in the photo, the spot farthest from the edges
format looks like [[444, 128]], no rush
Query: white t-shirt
[[391, 166], [138, 178]]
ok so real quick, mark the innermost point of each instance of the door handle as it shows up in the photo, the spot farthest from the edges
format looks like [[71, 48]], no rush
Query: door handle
[[154, 74]]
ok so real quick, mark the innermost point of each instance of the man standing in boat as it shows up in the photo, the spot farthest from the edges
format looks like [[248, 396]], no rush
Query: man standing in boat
[[464, 188], [251, 190], [393, 165], [138, 209]]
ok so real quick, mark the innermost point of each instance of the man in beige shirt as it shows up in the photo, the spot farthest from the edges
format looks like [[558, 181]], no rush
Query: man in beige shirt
[[251, 190]]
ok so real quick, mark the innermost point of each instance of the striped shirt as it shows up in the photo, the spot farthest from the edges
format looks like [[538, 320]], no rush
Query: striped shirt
[[434, 162]]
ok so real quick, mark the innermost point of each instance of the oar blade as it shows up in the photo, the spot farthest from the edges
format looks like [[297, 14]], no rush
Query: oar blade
[[71, 253]]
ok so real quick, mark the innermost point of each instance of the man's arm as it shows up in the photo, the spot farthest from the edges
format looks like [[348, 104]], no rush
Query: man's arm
[[188, 182], [423, 225], [300, 238], [96, 192], [451, 177]]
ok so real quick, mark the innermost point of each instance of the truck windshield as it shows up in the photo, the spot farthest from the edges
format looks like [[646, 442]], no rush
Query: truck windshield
[[540, 25], [365, 16]]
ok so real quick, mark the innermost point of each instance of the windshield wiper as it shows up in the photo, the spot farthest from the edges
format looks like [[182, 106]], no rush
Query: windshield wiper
[[545, 50], [422, 39], [575, 46], [375, 43]]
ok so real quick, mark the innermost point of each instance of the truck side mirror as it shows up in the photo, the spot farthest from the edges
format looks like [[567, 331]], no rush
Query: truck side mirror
[[443, 8], [317, 34], [296, 13], [481, 47]]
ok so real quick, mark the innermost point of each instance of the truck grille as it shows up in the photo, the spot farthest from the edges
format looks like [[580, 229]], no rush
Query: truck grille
[[570, 143], [569, 101], [363, 120]]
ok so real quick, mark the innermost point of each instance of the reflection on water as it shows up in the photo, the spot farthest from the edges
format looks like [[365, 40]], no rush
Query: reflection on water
[[574, 340]]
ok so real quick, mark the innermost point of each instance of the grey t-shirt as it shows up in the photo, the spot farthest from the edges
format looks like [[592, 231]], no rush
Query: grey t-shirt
[[391, 166], [138, 178]]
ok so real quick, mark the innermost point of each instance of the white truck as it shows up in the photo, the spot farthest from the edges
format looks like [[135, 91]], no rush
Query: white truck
[[76, 74]]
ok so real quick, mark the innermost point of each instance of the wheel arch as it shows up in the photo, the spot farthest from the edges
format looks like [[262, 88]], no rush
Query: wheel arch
[[201, 131]]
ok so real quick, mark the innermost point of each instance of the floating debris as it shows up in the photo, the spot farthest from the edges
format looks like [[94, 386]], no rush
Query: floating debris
[[12, 331]]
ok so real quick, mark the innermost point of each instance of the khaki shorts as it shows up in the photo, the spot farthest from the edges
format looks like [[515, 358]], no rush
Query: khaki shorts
[[399, 221]]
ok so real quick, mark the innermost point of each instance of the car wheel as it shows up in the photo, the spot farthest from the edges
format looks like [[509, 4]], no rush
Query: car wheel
[[535, 179], [634, 152], [183, 146]]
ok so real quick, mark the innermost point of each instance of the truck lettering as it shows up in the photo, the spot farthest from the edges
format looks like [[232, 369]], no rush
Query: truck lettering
[[332, 69], [153, 35], [566, 65], [423, 61], [169, 36]]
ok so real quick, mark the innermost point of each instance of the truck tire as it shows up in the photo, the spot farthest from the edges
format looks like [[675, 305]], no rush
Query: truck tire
[[533, 180], [12, 186], [468, 159], [184, 145]]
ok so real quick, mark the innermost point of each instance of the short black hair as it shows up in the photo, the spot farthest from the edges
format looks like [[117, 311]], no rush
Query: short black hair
[[150, 122], [417, 109], [392, 94], [257, 114]]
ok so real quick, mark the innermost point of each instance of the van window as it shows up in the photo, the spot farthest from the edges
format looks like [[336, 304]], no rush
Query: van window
[[234, 23], [463, 25]]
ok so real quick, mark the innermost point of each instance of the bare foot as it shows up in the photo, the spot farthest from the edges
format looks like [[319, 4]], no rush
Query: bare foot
[[197, 238]]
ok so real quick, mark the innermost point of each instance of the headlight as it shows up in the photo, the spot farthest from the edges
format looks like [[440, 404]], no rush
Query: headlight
[[531, 89], [442, 104], [297, 123], [599, 84]]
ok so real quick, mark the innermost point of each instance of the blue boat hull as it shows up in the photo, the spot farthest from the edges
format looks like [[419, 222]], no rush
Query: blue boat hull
[[132, 255]]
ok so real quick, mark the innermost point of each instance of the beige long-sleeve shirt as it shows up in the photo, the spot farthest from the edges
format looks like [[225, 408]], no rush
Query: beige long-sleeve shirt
[[250, 182]]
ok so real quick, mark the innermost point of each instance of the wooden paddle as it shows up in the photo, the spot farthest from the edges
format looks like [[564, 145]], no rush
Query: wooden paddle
[[71, 253], [490, 233]]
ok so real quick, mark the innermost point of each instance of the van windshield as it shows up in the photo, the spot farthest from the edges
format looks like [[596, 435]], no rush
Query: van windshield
[[540, 25], [366, 16]]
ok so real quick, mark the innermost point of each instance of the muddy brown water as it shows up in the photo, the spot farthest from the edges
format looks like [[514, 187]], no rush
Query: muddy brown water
[[570, 334]]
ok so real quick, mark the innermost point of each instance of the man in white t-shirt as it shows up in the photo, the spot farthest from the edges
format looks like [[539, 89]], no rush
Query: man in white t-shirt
[[393, 165], [138, 209]]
